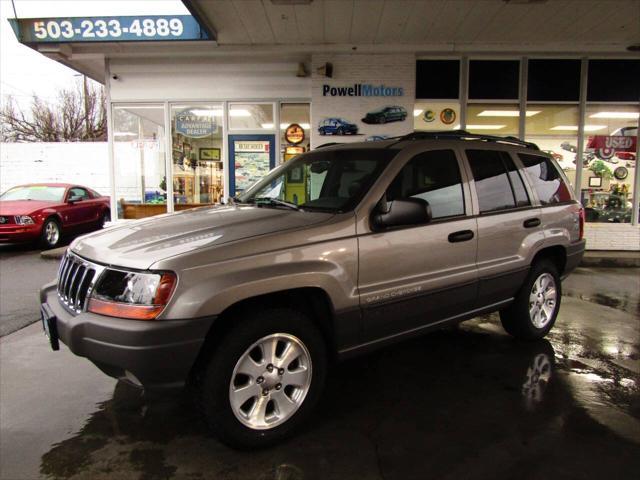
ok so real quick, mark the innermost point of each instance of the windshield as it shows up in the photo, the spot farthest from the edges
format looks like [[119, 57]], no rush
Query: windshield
[[328, 180], [34, 192]]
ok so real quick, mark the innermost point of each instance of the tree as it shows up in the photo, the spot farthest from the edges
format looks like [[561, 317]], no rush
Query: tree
[[78, 115]]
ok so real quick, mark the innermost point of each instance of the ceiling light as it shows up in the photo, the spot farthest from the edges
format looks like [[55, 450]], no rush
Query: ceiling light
[[239, 112], [506, 113], [417, 112], [574, 128], [267, 126], [125, 134], [629, 115], [207, 113], [305, 126], [485, 127]]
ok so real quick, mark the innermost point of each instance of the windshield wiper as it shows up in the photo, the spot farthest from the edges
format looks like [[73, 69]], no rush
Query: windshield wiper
[[268, 201]]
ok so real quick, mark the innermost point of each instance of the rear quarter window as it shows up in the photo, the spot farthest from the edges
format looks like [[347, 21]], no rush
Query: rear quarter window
[[545, 179]]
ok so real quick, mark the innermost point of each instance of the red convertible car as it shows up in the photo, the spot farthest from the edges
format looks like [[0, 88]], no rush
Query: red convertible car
[[47, 211]]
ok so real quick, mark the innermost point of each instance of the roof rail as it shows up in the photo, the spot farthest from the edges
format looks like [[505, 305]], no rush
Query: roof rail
[[327, 144], [464, 135]]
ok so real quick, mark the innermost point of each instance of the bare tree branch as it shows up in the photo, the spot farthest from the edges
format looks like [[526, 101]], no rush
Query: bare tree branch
[[72, 118]]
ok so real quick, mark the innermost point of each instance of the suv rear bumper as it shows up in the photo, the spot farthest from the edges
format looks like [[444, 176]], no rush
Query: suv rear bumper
[[575, 252], [154, 354]]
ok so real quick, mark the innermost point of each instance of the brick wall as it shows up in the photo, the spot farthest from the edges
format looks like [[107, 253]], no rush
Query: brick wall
[[387, 70], [612, 236]]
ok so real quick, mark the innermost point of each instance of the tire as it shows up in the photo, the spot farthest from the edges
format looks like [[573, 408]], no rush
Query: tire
[[340, 131], [106, 217], [234, 422], [51, 233], [528, 324]]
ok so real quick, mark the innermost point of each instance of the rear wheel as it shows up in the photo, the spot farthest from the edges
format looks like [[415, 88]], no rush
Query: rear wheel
[[535, 308], [264, 378], [51, 233], [106, 218]]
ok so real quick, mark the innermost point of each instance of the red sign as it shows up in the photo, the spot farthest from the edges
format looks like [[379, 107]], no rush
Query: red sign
[[617, 143]]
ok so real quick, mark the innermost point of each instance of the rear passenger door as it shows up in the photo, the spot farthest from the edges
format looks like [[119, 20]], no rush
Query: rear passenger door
[[415, 276], [509, 225]]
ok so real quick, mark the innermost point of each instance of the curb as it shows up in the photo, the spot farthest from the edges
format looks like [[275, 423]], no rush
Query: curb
[[54, 253], [611, 259]]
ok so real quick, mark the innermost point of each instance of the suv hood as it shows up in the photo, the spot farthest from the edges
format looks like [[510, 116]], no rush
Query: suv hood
[[142, 243]]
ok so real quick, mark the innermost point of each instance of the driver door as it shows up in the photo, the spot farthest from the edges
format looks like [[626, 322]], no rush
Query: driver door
[[420, 275]]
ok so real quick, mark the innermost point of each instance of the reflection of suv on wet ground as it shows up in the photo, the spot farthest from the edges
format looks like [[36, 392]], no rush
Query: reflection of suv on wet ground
[[337, 126], [386, 115], [252, 301]]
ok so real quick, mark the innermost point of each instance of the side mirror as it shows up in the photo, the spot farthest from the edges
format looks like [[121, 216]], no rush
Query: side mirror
[[74, 198], [401, 212]]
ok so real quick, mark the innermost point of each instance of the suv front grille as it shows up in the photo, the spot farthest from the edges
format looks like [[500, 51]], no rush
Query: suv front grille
[[76, 279]]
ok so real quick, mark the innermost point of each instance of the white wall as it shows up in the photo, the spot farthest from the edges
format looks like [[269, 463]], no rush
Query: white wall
[[612, 236], [206, 79], [82, 163]]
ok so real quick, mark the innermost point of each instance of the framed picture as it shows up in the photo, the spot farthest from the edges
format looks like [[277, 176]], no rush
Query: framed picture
[[209, 154], [595, 181]]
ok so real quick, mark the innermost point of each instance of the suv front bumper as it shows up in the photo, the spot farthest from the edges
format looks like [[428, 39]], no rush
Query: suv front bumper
[[154, 354]]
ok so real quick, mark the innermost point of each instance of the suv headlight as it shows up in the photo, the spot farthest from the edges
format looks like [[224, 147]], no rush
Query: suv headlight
[[23, 220], [138, 296]]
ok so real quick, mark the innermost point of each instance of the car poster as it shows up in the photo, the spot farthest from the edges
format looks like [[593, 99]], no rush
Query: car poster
[[251, 161]]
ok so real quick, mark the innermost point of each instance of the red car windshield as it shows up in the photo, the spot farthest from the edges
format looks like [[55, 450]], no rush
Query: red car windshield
[[34, 192]]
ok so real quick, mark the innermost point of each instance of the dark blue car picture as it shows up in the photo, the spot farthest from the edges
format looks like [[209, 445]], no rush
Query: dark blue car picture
[[337, 126], [385, 115]]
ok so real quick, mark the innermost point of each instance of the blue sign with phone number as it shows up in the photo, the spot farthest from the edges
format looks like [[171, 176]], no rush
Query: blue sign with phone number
[[108, 29]]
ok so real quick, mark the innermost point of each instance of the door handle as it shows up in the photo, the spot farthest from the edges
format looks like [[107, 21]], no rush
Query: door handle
[[531, 222], [461, 236]]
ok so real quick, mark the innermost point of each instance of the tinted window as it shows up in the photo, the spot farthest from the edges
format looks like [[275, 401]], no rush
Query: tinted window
[[78, 192], [432, 176], [614, 81], [545, 179], [554, 80], [522, 199], [492, 183], [437, 79], [494, 79]]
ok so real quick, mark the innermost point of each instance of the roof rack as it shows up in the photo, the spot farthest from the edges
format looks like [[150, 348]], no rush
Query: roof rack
[[327, 144], [464, 135]]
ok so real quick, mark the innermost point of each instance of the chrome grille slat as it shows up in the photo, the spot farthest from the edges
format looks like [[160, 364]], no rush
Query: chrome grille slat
[[76, 279]]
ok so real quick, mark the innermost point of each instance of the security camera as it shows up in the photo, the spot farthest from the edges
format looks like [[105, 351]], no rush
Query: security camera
[[115, 77]]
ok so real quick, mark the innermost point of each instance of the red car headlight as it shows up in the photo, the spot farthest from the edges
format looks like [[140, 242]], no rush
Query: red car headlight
[[23, 220], [138, 296]]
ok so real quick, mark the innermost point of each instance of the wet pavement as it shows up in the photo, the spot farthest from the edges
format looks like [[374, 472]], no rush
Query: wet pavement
[[467, 402]]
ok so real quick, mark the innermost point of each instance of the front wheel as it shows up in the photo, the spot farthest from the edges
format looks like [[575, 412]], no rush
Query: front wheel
[[264, 378], [536, 306], [51, 233], [106, 218]]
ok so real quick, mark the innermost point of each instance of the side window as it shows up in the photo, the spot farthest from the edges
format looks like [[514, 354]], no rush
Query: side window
[[522, 199], [545, 179], [78, 192], [492, 183], [433, 176]]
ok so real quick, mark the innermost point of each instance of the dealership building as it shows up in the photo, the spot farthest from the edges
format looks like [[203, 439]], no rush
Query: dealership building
[[202, 105]]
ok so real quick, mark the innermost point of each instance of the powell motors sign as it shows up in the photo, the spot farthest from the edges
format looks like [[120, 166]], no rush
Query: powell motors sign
[[362, 90]]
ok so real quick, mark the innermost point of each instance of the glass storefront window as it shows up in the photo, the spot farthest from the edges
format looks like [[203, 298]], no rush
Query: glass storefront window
[[554, 128], [251, 116], [139, 157], [611, 135], [436, 116], [294, 113], [493, 119], [196, 138]]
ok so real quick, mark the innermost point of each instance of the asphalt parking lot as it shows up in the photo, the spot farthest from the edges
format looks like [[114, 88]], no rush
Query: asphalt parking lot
[[467, 402]]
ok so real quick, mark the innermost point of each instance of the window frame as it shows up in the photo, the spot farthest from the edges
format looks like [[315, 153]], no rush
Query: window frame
[[71, 189]]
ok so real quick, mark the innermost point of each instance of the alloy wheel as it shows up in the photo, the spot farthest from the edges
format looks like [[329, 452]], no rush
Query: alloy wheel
[[270, 381], [52, 233], [543, 300]]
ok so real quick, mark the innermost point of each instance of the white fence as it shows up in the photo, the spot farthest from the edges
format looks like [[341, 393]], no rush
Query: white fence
[[84, 163]]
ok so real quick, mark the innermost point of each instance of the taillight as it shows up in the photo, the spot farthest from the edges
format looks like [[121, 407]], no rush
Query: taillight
[[581, 219]]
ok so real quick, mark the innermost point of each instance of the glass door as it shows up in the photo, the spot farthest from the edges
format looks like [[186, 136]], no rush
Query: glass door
[[250, 158]]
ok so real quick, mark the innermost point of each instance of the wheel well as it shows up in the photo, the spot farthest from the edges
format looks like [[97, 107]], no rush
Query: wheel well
[[557, 254], [312, 301]]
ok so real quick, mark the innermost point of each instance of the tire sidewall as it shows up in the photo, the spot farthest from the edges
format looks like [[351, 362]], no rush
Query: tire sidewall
[[217, 377], [528, 327], [43, 235]]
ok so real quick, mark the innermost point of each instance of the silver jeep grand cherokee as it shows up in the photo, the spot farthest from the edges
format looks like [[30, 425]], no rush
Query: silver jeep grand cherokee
[[339, 251]]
